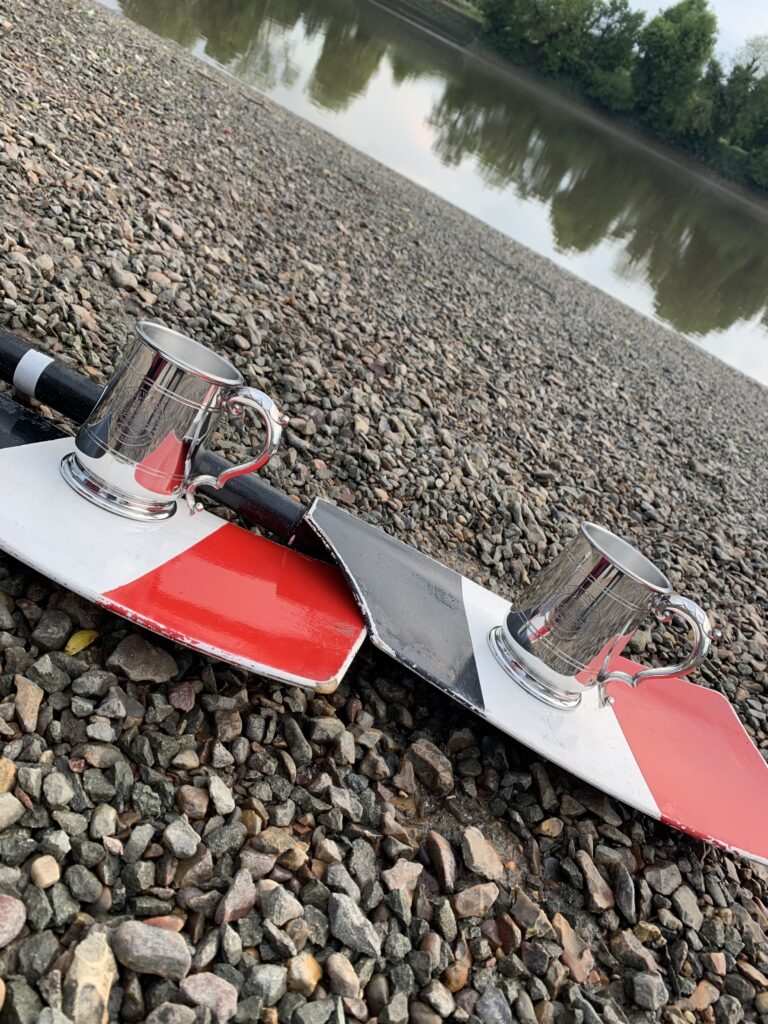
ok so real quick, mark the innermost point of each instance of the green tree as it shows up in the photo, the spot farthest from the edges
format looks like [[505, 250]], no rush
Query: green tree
[[552, 34], [610, 54], [674, 49], [755, 52], [736, 111]]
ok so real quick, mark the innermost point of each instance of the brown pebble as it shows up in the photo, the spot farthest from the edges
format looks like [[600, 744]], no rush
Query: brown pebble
[[44, 871], [7, 775], [475, 901], [29, 696], [304, 972], [443, 860], [192, 801]]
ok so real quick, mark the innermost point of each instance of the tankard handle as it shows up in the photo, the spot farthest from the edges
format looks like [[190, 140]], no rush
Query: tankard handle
[[273, 421], [703, 634]]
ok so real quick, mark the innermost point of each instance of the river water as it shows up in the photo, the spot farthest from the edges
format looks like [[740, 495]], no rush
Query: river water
[[636, 224]]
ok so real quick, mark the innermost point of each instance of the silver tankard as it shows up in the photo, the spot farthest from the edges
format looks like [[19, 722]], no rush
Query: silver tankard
[[134, 453], [562, 634]]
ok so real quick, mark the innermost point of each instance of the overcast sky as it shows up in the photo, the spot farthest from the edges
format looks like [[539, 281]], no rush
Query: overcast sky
[[736, 19]]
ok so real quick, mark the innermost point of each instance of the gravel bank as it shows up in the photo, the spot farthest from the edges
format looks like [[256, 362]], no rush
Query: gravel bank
[[179, 843]]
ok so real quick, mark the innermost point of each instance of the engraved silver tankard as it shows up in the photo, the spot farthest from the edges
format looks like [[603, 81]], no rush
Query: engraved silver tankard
[[562, 634], [134, 453]]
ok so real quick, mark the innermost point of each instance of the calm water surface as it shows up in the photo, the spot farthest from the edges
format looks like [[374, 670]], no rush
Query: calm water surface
[[638, 226]]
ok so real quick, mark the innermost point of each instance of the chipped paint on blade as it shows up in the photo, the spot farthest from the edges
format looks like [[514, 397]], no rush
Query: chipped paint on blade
[[412, 604], [197, 579]]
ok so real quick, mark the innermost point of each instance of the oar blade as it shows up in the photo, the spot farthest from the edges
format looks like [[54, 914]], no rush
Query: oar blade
[[198, 580], [668, 748]]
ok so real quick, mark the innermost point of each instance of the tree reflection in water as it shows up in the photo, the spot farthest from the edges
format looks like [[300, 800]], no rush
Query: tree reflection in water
[[703, 256]]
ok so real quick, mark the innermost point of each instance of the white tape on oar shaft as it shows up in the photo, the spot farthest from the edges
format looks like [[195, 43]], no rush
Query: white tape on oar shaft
[[28, 371]]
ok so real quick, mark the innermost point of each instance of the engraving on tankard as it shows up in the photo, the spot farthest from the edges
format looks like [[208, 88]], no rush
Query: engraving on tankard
[[134, 453], [562, 633]]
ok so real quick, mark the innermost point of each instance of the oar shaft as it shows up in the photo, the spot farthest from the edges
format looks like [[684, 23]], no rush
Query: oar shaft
[[47, 379], [40, 376]]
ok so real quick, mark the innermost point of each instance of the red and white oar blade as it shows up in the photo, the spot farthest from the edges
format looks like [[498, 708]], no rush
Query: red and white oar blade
[[706, 775], [205, 583], [666, 747]]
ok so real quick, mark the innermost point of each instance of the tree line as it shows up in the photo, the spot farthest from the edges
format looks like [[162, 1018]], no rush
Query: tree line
[[661, 72]]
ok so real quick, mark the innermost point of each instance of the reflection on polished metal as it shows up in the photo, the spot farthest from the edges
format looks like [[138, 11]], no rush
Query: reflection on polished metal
[[134, 452], [562, 634]]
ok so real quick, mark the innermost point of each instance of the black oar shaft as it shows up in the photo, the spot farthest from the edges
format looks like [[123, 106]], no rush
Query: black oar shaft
[[50, 381], [47, 379]]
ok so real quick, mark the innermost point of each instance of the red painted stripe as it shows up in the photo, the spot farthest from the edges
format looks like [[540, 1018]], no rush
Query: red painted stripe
[[265, 603], [702, 768]]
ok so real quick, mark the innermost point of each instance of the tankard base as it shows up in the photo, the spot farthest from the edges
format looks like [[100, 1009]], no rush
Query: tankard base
[[111, 500], [502, 652]]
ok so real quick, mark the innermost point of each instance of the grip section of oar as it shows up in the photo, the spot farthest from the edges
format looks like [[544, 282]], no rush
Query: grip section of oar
[[52, 383]]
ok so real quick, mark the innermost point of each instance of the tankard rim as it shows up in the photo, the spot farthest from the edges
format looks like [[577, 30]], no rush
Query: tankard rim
[[189, 354], [626, 557]]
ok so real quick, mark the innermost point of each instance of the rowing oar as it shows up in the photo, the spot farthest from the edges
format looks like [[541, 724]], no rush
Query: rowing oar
[[416, 610], [671, 749]]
